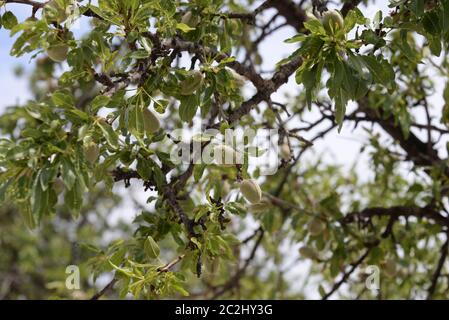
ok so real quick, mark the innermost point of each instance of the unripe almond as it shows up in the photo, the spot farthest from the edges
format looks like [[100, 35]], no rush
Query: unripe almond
[[91, 152], [316, 227], [308, 252], [226, 156], [225, 188], [310, 16], [58, 186], [332, 21], [239, 79], [389, 267], [187, 17], [192, 83], [285, 151], [151, 122], [58, 52], [251, 191]]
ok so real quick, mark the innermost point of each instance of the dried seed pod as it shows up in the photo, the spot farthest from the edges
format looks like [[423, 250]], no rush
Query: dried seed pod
[[251, 191], [58, 52], [92, 152], [332, 21], [151, 122], [316, 227]]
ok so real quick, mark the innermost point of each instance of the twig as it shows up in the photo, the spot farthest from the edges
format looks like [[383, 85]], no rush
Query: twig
[[233, 282], [436, 275], [103, 291]]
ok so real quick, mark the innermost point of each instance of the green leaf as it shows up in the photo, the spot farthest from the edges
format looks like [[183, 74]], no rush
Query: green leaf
[[109, 133], [159, 177], [99, 102], [315, 27], [105, 15], [74, 198], [354, 16], [151, 248], [298, 38], [340, 108], [198, 171], [188, 108], [144, 169], [135, 121], [435, 45], [9, 20], [139, 54], [431, 22], [310, 77], [63, 100], [381, 70], [68, 174], [417, 7], [184, 28], [445, 14], [321, 291]]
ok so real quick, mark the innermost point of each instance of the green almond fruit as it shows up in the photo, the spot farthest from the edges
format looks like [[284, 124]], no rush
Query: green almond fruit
[[58, 186], [187, 17], [190, 19], [126, 157], [251, 191], [151, 122], [92, 153], [192, 83], [225, 188], [285, 151], [310, 16], [240, 81], [316, 227], [308, 252], [332, 21], [58, 53], [389, 267], [260, 207]]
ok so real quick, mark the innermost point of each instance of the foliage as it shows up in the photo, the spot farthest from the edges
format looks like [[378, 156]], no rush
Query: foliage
[[105, 103]]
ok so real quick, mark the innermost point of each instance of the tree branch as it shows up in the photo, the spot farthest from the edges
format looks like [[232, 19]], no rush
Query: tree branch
[[437, 273], [241, 271], [404, 211]]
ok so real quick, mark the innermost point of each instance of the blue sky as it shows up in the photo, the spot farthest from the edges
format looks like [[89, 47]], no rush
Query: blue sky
[[12, 89]]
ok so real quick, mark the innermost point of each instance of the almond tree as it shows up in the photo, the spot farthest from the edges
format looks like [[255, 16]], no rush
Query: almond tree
[[107, 101]]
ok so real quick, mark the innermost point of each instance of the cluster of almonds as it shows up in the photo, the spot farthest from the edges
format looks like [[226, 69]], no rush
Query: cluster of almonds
[[249, 188], [332, 20]]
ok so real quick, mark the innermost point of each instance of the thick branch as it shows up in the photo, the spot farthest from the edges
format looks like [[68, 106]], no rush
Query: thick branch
[[403, 211]]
